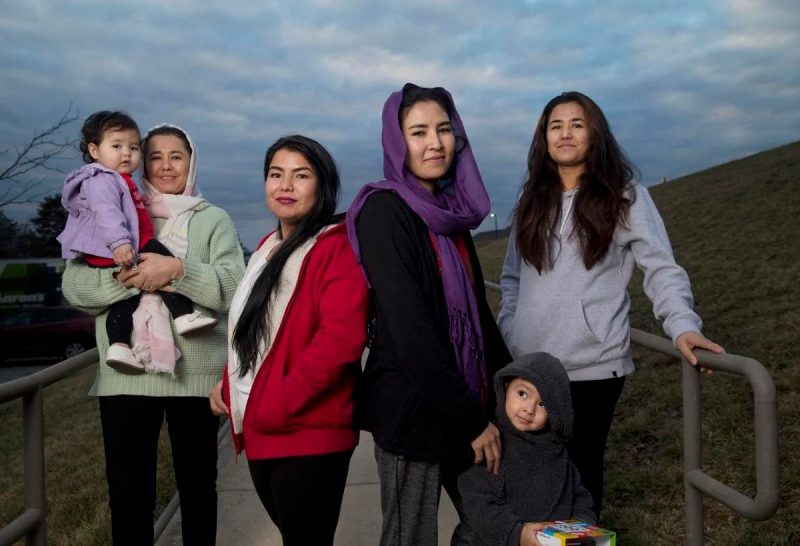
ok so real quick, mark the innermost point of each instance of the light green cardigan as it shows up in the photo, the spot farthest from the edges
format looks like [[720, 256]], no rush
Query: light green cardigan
[[214, 265]]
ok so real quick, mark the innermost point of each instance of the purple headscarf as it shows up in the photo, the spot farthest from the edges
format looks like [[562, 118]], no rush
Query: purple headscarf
[[460, 204]]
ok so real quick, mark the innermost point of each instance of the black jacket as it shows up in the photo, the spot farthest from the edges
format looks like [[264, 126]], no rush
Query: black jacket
[[411, 395]]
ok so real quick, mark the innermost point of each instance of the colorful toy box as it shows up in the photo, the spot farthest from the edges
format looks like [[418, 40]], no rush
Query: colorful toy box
[[575, 533]]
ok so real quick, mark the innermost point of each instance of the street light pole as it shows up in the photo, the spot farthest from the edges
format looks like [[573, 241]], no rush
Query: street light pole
[[494, 216]]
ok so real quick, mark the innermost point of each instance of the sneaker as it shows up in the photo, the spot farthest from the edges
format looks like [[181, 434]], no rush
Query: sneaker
[[121, 359], [193, 322]]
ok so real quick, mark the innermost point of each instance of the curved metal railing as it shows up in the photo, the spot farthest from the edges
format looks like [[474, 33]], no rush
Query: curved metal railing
[[765, 423], [31, 523], [696, 482]]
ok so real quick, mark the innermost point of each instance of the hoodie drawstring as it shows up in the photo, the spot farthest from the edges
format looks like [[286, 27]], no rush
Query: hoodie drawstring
[[566, 216]]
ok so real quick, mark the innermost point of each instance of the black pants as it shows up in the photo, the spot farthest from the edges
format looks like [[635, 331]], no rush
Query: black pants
[[303, 495], [131, 426], [593, 404], [119, 321]]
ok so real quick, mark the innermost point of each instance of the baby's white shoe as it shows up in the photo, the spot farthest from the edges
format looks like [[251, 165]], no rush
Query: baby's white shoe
[[193, 322], [121, 359]]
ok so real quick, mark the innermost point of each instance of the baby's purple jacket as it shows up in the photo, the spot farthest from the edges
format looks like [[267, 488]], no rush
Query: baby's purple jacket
[[102, 215]]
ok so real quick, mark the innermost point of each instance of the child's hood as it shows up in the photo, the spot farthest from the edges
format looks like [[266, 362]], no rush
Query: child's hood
[[547, 373], [76, 178]]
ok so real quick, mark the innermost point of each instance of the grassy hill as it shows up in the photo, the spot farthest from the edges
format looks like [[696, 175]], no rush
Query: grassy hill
[[735, 229]]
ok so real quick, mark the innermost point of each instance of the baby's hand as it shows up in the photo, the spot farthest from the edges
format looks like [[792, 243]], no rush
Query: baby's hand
[[528, 536], [123, 255]]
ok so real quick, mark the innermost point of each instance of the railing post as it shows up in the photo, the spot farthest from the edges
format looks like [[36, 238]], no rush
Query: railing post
[[33, 461], [766, 429], [692, 442], [31, 523]]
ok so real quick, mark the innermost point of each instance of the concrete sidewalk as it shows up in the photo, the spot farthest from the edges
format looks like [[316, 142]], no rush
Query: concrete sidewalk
[[243, 521]]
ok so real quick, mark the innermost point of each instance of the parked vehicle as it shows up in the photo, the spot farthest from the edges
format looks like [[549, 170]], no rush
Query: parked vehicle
[[38, 334]]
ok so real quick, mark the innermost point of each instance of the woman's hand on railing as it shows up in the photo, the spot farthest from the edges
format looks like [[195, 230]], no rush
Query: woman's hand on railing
[[688, 341]]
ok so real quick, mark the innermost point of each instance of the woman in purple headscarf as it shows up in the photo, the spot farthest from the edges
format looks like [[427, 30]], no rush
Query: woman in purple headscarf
[[425, 392]]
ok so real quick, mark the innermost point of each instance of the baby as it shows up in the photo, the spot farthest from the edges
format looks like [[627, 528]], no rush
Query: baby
[[108, 226], [537, 482]]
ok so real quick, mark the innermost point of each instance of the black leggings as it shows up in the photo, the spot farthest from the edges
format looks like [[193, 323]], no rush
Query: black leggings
[[131, 427], [303, 495], [593, 404], [119, 321]]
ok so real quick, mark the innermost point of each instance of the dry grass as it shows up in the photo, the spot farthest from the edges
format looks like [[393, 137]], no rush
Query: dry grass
[[735, 230], [77, 511]]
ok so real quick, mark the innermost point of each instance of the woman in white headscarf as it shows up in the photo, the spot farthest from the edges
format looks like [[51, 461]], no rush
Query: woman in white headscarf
[[207, 267]]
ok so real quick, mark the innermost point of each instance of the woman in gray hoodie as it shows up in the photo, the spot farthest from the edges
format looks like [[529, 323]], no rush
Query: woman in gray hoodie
[[580, 226]]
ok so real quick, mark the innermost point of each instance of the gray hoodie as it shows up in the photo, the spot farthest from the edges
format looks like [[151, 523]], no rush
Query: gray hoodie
[[537, 480], [581, 316]]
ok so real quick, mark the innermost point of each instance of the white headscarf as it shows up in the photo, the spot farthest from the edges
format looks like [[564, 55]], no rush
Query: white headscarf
[[177, 209], [155, 346]]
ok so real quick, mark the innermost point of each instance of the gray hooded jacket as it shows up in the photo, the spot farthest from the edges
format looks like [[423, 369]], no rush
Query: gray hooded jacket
[[537, 480], [580, 315]]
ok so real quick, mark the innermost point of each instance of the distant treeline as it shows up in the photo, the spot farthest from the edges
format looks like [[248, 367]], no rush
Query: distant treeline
[[36, 239]]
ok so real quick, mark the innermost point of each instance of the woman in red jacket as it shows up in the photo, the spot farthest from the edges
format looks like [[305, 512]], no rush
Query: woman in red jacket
[[297, 331]]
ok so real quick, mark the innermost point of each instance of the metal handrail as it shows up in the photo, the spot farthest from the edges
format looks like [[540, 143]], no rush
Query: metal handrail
[[696, 482], [17, 388], [31, 523], [765, 423]]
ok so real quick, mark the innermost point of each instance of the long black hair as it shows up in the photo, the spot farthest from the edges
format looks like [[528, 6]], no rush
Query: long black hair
[[251, 327], [600, 205]]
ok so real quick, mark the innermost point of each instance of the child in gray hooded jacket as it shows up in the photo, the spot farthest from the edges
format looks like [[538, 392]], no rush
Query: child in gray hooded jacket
[[537, 481]]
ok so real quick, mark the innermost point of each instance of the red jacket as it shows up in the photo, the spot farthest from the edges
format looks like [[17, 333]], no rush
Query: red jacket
[[301, 401]]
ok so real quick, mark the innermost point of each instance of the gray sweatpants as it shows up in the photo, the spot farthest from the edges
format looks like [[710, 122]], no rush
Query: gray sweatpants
[[410, 492]]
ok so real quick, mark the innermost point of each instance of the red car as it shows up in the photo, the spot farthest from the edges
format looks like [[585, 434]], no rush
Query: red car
[[36, 334]]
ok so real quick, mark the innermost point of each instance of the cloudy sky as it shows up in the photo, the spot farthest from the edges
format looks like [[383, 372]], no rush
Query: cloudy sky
[[685, 85]]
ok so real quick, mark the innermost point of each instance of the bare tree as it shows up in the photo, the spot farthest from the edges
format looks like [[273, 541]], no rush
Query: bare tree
[[19, 182]]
